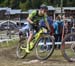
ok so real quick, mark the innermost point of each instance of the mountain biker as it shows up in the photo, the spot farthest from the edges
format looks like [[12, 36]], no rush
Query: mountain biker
[[33, 20]]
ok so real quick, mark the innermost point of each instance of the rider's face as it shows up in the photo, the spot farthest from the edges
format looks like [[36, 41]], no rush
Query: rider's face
[[42, 11]]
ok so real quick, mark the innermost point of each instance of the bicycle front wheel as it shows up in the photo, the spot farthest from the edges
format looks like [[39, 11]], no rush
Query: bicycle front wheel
[[68, 47], [45, 47]]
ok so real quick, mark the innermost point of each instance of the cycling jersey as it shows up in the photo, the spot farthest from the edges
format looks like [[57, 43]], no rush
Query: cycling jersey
[[35, 17], [50, 22]]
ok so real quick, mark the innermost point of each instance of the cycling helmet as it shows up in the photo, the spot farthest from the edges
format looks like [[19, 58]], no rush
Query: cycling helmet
[[43, 6]]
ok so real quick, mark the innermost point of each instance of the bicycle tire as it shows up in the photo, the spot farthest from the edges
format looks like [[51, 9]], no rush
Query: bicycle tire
[[49, 52], [66, 47], [19, 50]]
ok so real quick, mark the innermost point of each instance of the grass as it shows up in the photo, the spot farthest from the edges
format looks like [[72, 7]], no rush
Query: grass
[[9, 43], [2, 32]]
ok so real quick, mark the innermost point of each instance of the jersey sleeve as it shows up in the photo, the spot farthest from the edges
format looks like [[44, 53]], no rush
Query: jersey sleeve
[[45, 18], [32, 14]]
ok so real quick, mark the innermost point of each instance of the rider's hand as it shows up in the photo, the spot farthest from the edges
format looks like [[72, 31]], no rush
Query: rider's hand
[[32, 23]]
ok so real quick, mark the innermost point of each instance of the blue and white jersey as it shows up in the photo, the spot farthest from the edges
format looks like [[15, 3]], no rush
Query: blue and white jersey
[[42, 23]]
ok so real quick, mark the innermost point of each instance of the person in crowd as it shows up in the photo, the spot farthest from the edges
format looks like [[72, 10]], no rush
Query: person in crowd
[[58, 28]]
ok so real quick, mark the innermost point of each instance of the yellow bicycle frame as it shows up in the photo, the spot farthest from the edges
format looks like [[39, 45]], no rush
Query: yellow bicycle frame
[[37, 36]]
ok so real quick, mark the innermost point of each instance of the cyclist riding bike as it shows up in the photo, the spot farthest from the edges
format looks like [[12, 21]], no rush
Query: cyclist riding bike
[[33, 20]]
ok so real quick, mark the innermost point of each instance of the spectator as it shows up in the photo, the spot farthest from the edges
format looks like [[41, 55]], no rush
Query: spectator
[[58, 26]]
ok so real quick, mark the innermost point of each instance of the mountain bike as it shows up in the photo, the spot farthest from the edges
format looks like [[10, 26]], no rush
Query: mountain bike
[[68, 45], [41, 38]]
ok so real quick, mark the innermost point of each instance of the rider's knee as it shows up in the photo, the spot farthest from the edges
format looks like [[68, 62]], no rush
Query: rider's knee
[[31, 33]]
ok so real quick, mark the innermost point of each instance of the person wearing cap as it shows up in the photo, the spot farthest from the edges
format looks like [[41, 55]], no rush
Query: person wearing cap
[[33, 19]]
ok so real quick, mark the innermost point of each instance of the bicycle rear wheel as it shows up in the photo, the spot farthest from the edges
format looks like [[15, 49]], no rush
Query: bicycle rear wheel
[[45, 47], [19, 51], [68, 47]]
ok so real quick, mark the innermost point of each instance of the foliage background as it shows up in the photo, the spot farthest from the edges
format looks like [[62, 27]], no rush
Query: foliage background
[[27, 4]]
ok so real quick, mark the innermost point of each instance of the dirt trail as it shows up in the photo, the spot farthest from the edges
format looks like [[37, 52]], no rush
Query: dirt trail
[[8, 58]]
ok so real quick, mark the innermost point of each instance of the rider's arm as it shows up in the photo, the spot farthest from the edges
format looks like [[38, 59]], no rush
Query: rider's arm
[[29, 20], [46, 22], [30, 17]]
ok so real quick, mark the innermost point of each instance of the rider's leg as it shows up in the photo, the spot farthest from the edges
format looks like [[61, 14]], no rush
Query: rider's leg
[[28, 41]]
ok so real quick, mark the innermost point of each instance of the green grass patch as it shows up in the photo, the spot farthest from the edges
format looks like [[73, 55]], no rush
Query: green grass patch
[[9, 43]]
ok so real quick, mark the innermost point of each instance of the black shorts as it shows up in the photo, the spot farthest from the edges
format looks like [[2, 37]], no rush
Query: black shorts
[[33, 27]]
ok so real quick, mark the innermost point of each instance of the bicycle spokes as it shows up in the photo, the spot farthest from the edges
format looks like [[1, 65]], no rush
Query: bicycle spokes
[[68, 47], [73, 47]]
